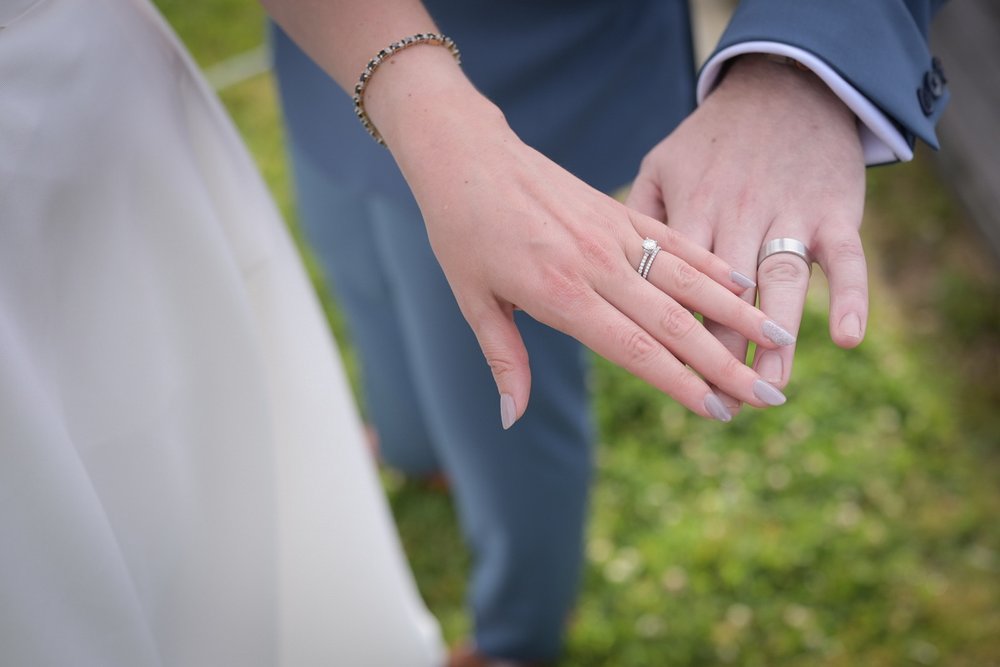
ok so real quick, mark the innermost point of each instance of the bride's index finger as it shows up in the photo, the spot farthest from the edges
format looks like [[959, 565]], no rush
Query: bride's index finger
[[700, 258]]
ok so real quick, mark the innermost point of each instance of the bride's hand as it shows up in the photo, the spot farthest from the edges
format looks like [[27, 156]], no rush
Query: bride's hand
[[511, 230]]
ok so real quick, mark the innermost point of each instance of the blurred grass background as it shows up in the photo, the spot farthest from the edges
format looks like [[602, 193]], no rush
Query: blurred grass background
[[858, 525]]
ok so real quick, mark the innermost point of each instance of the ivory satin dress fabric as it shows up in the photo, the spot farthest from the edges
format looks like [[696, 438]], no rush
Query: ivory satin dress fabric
[[183, 479]]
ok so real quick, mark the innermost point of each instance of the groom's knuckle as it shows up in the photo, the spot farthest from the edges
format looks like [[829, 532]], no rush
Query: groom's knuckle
[[783, 269], [848, 250], [854, 292]]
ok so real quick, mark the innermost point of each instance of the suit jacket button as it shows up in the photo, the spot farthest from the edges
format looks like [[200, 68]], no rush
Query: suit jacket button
[[926, 100], [936, 66], [934, 83]]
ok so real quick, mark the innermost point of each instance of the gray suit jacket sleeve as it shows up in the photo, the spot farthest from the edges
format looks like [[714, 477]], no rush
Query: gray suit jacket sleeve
[[878, 46]]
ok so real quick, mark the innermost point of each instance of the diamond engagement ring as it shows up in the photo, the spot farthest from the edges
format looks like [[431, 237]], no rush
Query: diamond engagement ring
[[649, 250], [786, 245]]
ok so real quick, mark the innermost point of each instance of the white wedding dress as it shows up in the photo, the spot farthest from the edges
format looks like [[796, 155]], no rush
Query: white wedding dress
[[183, 479]]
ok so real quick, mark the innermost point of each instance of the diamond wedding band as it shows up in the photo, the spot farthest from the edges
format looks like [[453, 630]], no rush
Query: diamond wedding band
[[649, 250]]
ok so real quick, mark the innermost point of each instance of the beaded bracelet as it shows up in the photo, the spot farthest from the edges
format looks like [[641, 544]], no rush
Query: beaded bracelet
[[381, 57]]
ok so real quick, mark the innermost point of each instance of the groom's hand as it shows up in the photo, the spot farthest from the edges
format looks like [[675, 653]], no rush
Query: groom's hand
[[771, 153]]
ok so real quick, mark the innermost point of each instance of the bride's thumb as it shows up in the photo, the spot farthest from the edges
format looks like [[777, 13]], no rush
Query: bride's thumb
[[508, 360]]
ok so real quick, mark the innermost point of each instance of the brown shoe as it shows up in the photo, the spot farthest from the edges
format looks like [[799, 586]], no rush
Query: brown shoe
[[466, 655]]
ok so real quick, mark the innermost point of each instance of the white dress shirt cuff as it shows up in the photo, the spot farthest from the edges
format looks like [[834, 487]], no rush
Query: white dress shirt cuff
[[881, 141]]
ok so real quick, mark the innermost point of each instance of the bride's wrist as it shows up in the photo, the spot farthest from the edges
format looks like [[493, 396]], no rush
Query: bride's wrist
[[420, 96]]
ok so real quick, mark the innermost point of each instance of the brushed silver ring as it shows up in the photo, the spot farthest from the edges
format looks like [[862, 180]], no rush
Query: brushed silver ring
[[786, 245]]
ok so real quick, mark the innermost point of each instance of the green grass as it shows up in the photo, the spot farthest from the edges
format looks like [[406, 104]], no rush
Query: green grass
[[855, 526]]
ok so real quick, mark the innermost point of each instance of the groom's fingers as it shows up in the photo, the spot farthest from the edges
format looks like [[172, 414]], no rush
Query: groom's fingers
[[782, 281], [646, 197], [843, 260]]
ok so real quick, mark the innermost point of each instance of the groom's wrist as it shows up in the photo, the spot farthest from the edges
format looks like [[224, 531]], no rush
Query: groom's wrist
[[781, 85]]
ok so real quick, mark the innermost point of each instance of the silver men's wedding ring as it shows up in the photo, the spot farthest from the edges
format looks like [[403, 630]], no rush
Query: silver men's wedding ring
[[785, 245], [649, 250]]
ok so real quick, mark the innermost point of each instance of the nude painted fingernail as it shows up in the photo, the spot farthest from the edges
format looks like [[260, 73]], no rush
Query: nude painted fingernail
[[768, 393], [850, 325], [770, 366], [508, 411], [773, 331], [716, 408], [744, 281]]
